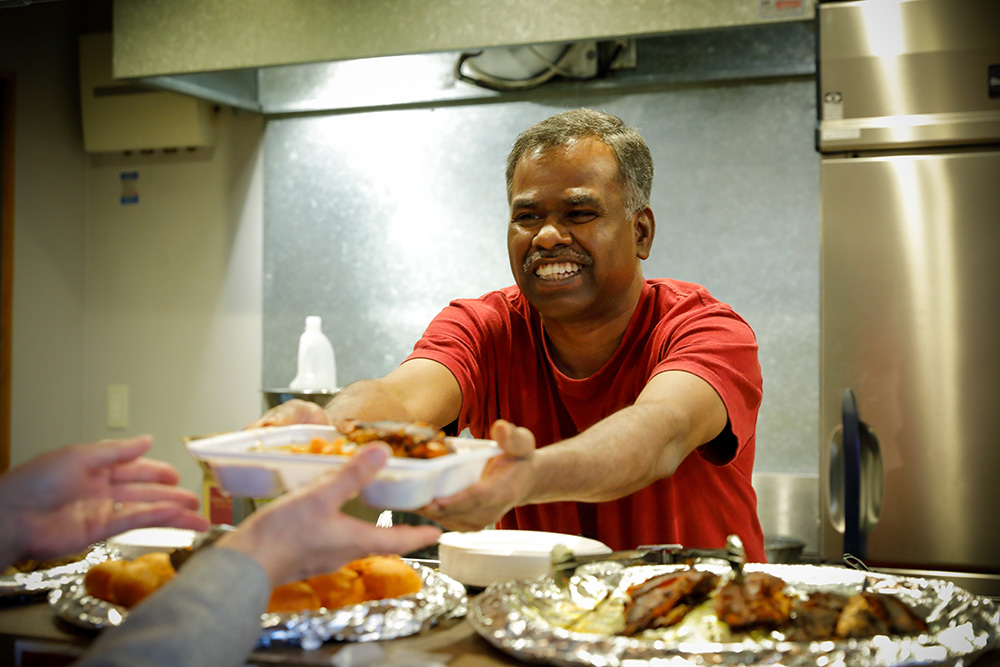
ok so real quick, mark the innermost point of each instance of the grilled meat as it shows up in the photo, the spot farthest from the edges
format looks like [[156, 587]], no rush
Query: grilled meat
[[664, 600], [815, 618], [868, 614], [756, 600]]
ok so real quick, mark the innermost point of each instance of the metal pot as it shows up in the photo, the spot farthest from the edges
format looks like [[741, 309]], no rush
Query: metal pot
[[320, 397], [780, 549]]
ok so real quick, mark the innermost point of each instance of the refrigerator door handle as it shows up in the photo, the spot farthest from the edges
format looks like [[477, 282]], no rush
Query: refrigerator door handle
[[862, 475], [855, 541]]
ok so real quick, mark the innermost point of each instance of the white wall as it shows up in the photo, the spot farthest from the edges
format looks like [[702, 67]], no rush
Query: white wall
[[173, 291], [49, 227], [164, 296]]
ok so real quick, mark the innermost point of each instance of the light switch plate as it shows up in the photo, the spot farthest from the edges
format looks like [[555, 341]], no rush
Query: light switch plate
[[117, 406]]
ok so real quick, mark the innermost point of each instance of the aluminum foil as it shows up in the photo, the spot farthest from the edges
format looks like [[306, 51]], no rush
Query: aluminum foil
[[441, 597], [24, 586], [536, 620]]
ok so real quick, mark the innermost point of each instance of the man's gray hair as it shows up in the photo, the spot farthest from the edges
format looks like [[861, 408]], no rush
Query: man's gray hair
[[635, 164]]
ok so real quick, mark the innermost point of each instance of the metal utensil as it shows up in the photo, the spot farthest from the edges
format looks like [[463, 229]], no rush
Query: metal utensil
[[565, 563]]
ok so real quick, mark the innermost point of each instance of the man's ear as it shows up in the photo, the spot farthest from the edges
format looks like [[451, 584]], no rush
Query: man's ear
[[645, 229]]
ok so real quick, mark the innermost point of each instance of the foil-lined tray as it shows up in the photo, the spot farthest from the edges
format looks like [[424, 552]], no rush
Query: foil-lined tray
[[538, 621], [440, 598], [24, 586]]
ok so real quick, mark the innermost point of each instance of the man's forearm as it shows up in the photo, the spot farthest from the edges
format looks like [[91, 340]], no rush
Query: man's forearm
[[634, 447], [619, 455], [367, 400]]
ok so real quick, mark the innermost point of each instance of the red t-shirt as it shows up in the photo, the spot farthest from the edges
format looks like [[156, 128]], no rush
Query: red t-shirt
[[496, 349]]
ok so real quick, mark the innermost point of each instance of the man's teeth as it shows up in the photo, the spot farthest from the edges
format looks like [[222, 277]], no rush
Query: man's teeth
[[557, 271]]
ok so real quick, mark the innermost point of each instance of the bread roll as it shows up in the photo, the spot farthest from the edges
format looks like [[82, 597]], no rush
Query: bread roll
[[339, 589], [127, 583], [296, 596], [97, 581], [370, 578], [386, 576]]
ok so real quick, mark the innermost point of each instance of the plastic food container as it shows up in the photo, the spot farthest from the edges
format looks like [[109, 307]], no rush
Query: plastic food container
[[243, 465], [134, 543], [487, 556]]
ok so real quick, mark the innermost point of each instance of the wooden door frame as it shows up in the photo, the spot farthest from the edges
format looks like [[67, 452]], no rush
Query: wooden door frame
[[6, 256]]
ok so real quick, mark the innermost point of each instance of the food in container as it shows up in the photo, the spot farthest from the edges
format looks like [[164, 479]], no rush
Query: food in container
[[582, 622], [253, 463], [759, 602], [440, 597], [34, 565], [408, 440], [31, 578]]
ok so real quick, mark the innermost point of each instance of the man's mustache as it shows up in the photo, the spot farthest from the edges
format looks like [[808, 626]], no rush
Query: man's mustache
[[563, 253]]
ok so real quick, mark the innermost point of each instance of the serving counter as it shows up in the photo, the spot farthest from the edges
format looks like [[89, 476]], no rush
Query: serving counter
[[31, 636]]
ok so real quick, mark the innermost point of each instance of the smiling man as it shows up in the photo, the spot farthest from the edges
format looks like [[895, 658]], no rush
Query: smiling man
[[626, 407]]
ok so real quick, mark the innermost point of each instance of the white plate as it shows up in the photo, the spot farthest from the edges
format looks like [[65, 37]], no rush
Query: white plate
[[243, 466], [487, 556], [134, 543]]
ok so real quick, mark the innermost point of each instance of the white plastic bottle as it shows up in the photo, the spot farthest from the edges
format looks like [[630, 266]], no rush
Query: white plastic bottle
[[317, 367]]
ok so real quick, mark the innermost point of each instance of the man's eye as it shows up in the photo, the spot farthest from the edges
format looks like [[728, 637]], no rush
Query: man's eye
[[524, 218], [581, 216]]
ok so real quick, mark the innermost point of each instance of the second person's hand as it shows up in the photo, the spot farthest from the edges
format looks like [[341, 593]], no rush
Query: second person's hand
[[304, 532]]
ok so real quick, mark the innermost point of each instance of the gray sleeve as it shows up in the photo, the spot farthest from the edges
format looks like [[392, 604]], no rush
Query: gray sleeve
[[208, 616]]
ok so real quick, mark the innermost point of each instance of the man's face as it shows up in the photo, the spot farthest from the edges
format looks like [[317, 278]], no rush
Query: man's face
[[573, 251]]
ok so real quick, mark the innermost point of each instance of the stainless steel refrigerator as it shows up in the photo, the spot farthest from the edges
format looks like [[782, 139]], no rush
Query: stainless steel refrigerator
[[909, 132]]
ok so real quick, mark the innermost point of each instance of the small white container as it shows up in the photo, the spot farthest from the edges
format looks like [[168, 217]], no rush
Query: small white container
[[245, 464], [317, 366], [487, 556], [134, 543]]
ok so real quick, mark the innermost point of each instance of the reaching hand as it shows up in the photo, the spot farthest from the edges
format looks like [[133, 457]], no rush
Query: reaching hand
[[304, 533], [506, 482], [67, 499], [293, 411]]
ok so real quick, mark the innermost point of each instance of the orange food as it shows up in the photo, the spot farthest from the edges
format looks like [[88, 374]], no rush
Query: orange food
[[127, 583], [387, 576], [415, 440], [98, 579], [296, 596], [340, 588], [361, 580]]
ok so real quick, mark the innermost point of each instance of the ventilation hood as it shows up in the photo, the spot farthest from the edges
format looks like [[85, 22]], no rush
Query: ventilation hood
[[298, 56]]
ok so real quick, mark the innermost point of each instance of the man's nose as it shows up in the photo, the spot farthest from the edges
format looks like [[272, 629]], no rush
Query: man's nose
[[552, 233]]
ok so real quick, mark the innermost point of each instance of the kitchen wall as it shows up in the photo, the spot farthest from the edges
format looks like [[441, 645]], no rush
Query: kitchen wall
[[163, 296]]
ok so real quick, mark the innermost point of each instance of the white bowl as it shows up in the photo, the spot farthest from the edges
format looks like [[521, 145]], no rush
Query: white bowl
[[487, 556], [248, 464], [135, 543]]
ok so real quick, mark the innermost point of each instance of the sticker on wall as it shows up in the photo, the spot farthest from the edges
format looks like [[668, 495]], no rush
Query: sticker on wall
[[130, 187], [782, 9]]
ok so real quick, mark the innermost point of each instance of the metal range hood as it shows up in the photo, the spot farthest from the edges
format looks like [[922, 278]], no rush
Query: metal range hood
[[300, 56]]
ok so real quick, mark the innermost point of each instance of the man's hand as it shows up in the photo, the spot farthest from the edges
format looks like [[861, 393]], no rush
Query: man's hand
[[294, 411], [507, 482]]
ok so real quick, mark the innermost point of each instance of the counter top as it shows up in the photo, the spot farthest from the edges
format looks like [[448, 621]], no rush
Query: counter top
[[30, 635], [34, 627]]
